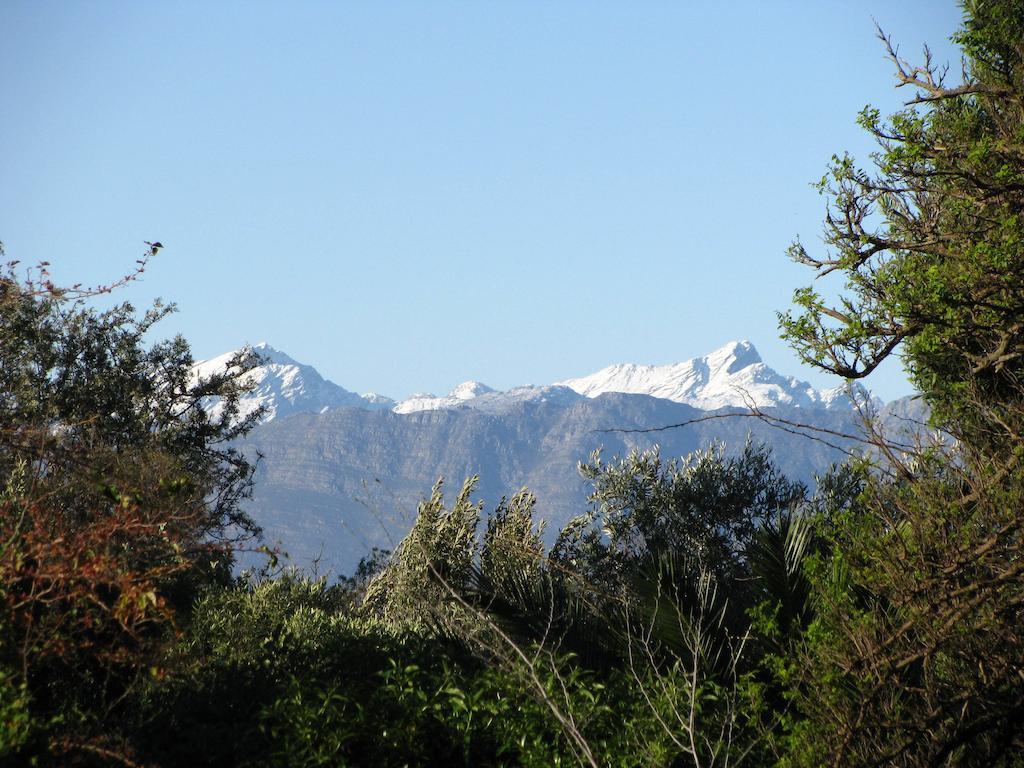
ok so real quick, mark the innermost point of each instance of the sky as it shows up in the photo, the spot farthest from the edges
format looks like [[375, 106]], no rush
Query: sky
[[411, 195]]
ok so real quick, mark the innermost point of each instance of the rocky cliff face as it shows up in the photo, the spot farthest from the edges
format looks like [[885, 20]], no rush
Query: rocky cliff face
[[331, 486]]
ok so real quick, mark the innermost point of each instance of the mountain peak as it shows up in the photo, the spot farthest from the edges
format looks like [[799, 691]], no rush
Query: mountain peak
[[375, 399], [733, 357], [281, 385], [732, 376], [460, 396], [467, 390], [275, 356]]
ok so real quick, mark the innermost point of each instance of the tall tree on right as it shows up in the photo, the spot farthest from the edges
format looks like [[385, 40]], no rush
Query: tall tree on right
[[917, 653], [929, 240]]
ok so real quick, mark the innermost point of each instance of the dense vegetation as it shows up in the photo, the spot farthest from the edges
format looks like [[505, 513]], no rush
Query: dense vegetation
[[701, 611]]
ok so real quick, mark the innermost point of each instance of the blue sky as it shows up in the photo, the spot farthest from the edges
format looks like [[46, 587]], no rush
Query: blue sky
[[409, 195]]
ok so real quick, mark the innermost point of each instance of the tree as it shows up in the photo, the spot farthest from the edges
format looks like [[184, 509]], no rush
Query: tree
[[705, 508], [915, 655], [648, 591], [119, 498], [929, 240]]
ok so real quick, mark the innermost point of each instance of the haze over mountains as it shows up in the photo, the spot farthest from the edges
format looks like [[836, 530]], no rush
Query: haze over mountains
[[342, 472]]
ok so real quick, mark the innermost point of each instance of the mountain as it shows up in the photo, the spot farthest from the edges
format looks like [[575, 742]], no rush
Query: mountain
[[468, 390], [340, 473], [330, 486], [731, 376], [285, 386]]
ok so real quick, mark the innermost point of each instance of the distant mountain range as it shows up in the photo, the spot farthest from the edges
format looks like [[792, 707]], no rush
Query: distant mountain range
[[343, 472], [732, 376]]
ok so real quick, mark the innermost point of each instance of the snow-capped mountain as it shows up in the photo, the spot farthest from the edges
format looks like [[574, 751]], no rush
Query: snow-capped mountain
[[480, 397], [467, 390], [285, 386], [731, 376]]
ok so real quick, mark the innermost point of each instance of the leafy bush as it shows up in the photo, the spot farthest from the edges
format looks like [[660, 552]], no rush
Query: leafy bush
[[119, 499]]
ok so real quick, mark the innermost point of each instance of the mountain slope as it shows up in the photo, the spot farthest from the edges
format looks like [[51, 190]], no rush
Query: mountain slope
[[285, 386], [331, 485]]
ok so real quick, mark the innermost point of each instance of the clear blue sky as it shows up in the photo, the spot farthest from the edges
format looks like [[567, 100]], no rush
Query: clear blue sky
[[408, 195]]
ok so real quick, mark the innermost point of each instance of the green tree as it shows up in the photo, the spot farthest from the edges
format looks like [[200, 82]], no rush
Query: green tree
[[647, 592], [915, 655], [119, 498], [705, 508], [928, 240]]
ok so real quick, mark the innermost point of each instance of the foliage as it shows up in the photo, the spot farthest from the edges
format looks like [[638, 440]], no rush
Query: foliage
[[928, 241], [649, 590], [16, 721], [441, 547], [119, 498], [282, 673], [915, 651], [704, 511], [914, 658]]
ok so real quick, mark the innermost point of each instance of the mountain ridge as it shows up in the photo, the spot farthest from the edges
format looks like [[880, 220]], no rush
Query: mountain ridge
[[283, 386], [732, 376]]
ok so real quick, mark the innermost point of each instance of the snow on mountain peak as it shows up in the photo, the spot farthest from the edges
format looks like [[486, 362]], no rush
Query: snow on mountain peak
[[467, 390], [731, 376], [283, 386], [377, 400], [733, 357]]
